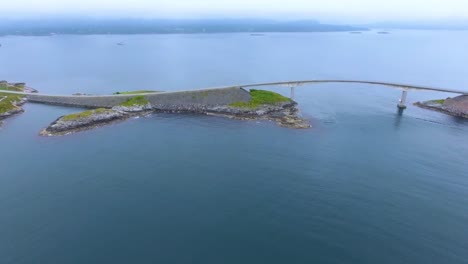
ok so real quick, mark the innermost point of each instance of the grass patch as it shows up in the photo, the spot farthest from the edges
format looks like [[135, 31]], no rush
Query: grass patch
[[440, 101], [17, 87], [261, 97], [12, 88], [137, 92], [137, 100], [7, 102], [84, 114]]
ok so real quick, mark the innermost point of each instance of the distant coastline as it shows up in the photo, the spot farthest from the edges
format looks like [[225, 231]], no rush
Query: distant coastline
[[161, 26]]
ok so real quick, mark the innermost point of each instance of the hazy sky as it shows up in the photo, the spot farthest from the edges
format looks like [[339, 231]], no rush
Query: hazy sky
[[365, 10]]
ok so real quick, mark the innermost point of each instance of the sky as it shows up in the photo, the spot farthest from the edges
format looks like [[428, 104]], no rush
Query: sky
[[331, 10]]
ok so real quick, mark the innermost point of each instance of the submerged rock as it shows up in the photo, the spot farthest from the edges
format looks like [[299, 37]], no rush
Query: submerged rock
[[457, 106]]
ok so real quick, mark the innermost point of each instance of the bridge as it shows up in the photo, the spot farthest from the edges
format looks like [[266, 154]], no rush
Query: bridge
[[404, 87], [211, 96]]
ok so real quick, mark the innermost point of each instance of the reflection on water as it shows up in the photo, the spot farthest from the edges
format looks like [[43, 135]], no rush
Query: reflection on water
[[398, 117]]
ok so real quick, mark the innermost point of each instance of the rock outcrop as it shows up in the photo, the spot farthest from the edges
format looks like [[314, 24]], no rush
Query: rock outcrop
[[14, 107], [457, 106], [133, 108], [82, 121], [97, 117], [285, 114]]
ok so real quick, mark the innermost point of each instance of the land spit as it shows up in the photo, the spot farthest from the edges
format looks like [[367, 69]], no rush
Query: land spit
[[91, 119], [260, 105], [284, 114]]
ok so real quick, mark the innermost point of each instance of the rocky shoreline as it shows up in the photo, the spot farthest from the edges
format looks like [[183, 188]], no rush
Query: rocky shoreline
[[61, 126], [284, 114], [16, 108], [11, 104], [91, 119], [457, 106], [260, 105]]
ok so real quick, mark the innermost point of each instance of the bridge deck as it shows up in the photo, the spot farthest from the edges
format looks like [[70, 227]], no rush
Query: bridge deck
[[390, 84], [38, 96]]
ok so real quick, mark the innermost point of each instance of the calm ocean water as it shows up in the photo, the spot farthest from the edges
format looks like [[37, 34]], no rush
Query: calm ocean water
[[364, 185]]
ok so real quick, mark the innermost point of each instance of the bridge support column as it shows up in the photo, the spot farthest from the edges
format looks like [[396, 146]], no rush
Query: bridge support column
[[402, 103], [292, 92]]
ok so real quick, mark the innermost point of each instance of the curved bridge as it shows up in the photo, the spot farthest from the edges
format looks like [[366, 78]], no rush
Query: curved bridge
[[389, 84], [404, 87], [208, 97]]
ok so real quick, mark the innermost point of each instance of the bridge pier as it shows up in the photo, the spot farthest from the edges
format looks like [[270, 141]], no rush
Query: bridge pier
[[402, 102]]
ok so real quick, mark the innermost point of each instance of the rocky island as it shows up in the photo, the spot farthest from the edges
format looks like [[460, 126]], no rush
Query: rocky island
[[263, 105], [457, 106]]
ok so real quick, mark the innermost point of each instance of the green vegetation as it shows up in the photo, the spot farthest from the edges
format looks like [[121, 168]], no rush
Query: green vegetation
[[7, 102], [137, 100], [137, 92], [261, 97], [18, 87], [85, 114], [440, 101]]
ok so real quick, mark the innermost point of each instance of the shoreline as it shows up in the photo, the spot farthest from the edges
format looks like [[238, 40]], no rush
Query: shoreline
[[88, 126], [10, 102], [17, 109], [234, 103], [283, 114]]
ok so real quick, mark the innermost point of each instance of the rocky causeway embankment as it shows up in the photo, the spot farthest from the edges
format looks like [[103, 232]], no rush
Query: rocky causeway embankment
[[457, 106]]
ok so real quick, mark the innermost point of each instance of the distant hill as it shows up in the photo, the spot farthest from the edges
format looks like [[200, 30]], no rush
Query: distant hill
[[161, 26]]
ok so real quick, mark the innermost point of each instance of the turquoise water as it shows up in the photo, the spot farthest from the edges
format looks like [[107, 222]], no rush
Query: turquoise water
[[364, 185]]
